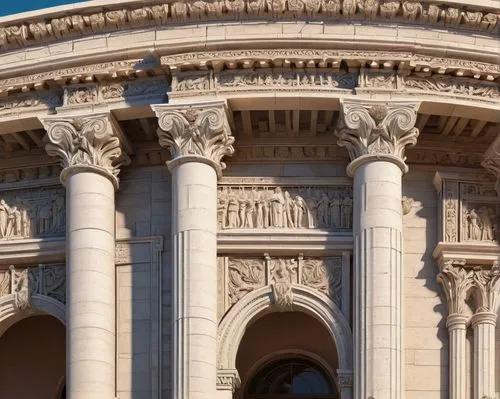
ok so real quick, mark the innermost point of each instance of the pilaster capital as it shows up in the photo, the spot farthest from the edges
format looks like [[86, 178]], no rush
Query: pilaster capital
[[377, 131], [487, 289], [228, 380], [196, 132], [91, 142], [457, 283]]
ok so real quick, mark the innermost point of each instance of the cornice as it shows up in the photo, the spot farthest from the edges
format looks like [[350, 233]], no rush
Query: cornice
[[101, 17]]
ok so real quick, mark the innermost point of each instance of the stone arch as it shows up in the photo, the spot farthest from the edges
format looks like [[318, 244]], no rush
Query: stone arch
[[260, 302], [40, 304]]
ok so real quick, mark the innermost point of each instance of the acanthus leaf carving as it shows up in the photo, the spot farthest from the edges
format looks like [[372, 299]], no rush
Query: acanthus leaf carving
[[487, 285], [325, 275], [23, 283], [245, 275], [202, 131], [377, 129], [457, 283], [86, 141]]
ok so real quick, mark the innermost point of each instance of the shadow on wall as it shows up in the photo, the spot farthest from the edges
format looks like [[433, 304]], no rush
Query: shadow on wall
[[425, 334], [143, 282]]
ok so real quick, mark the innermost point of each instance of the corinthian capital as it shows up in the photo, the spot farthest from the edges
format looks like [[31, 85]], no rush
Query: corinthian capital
[[374, 130], [457, 283], [86, 142], [198, 132], [487, 286]]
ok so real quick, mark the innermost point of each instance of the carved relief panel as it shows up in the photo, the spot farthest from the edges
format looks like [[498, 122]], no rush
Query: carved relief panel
[[239, 276], [32, 213], [48, 280], [470, 211], [284, 207]]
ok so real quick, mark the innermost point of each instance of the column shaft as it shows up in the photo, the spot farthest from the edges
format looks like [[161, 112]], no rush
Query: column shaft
[[378, 281], [458, 372], [194, 231], [90, 286], [484, 355]]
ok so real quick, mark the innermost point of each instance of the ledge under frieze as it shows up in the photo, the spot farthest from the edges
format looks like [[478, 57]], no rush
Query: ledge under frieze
[[77, 24]]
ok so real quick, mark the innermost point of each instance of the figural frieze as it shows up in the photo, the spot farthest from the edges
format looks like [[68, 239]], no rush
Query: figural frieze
[[377, 129], [23, 283], [244, 275], [199, 131], [32, 213], [92, 141], [470, 211], [268, 207]]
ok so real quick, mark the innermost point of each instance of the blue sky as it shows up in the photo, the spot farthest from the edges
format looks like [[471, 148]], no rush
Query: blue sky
[[8, 7]]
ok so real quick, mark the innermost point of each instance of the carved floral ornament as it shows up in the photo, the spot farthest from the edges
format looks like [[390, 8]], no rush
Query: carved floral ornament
[[461, 280], [492, 163], [152, 13], [200, 131], [23, 283], [86, 142], [245, 275], [379, 129]]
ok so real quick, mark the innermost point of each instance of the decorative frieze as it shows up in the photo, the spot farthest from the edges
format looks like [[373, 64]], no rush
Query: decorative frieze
[[23, 283], [74, 25], [31, 102], [242, 275], [199, 131], [262, 79], [32, 213], [271, 207], [377, 129], [87, 141], [469, 211], [83, 95]]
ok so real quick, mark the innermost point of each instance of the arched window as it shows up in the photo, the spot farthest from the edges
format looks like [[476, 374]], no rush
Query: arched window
[[291, 378]]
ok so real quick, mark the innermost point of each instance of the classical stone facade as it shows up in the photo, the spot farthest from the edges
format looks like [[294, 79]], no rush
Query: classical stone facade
[[246, 199]]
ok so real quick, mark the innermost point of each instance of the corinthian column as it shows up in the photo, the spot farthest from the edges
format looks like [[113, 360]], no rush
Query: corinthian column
[[487, 286], [198, 137], [90, 153], [457, 283], [376, 135]]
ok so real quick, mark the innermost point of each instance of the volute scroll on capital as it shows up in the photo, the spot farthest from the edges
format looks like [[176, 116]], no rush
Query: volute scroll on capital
[[377, 131], [200, 132], [87, 143]]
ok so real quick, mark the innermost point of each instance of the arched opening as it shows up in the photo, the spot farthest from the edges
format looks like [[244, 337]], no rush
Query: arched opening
[[291, 377], [34, 348], [287, 355]]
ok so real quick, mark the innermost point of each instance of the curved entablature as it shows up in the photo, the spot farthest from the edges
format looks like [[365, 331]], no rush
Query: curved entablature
[[97, 17]]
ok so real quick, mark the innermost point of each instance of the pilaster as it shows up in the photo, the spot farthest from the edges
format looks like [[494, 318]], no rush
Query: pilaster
[[90, 150], [198, 137], [376, 135]]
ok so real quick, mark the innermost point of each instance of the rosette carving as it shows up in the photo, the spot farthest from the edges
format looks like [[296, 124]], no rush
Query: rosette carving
[[201, 131], [377, 129], [86, 141]]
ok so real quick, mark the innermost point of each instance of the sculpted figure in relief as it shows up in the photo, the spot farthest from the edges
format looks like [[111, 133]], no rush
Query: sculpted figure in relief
[[331, 7], [411, 10], [256, 7], [479, 224], [282, 277]]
